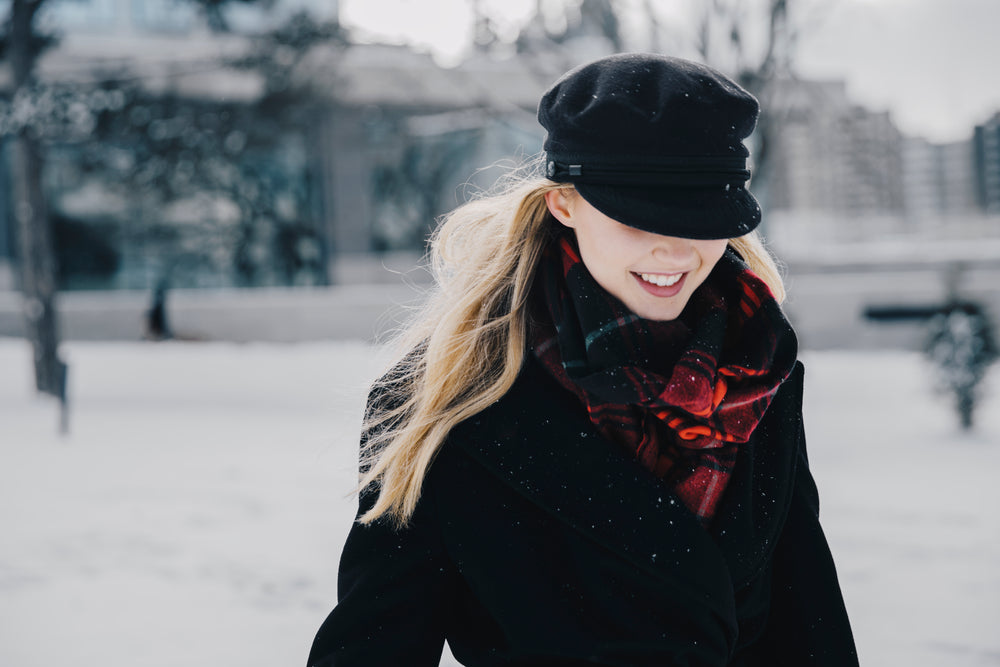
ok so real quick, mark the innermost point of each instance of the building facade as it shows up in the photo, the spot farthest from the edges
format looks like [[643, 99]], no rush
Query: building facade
[[840, 172], [831, 160], [938, 183], [986, 142]]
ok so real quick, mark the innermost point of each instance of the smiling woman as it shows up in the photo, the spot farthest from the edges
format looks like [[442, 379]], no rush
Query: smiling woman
[[652, 274], [590, 448]]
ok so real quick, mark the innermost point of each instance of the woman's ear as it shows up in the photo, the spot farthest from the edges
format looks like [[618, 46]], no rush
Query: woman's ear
[[560, 203]]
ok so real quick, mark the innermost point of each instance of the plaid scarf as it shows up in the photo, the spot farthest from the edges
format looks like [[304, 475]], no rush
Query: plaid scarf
[[679, 395]]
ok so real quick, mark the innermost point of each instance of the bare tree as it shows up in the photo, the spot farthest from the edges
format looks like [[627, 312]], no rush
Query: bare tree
[[34, 229], [754, 43], [599, 18], [21, 43]]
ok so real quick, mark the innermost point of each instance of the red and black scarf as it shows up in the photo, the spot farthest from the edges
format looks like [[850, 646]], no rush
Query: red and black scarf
[[680, 395]]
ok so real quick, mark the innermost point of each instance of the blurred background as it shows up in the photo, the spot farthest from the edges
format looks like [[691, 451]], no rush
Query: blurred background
[[249, 184]]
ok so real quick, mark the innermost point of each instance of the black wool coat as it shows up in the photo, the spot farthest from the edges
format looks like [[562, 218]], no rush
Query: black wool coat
[[537, 542]]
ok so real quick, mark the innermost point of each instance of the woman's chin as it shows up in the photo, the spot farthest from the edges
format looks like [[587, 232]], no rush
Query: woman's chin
[[658, 312]]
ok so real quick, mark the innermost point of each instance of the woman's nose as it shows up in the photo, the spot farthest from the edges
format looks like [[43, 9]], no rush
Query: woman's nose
[[670, 247]]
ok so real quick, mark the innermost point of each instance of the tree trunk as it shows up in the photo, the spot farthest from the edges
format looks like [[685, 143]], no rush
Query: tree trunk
[[34, 229], [38, 269]]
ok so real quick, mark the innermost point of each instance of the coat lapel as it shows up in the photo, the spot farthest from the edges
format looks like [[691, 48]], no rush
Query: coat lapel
[[539, 441]]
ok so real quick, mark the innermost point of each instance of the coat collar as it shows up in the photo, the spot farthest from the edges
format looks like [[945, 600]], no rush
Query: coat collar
[[539, 441]]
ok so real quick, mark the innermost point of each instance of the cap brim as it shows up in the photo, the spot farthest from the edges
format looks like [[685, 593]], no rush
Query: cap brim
[[692, 213]]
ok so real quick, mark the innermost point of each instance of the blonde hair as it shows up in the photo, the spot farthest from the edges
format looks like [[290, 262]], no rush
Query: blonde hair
[[466, 347]]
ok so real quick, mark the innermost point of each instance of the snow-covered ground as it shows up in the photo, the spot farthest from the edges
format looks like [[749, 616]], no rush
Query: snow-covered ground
[[195, 513]]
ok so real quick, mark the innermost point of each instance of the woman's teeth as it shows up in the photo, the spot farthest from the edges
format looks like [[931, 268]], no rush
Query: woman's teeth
[[660, 279]]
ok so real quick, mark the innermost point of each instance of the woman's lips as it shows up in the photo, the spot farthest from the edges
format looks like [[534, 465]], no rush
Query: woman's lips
[[663, 291]]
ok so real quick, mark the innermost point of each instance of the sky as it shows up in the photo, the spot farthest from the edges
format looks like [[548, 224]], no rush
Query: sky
[[930, 63]]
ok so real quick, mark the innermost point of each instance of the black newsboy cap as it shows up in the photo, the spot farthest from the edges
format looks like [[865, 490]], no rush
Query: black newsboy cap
[[654, 142]]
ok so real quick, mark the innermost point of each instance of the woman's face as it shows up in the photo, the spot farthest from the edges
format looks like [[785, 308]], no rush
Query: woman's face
[[653, 275]]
